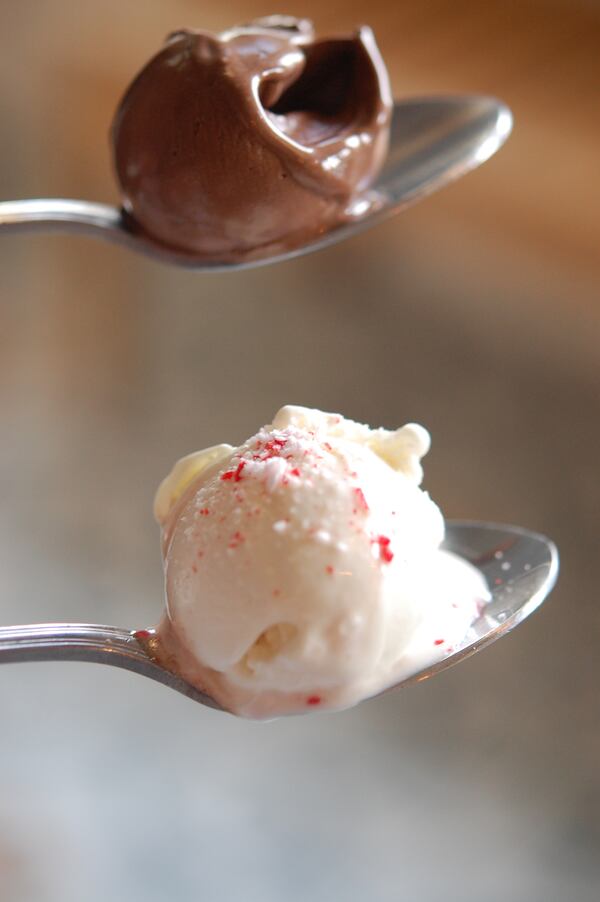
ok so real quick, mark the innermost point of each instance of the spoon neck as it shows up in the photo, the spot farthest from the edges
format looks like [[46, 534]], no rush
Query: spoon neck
[[67, 641]]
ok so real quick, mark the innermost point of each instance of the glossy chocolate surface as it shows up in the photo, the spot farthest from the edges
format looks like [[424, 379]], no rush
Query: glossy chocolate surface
[[260, 137]]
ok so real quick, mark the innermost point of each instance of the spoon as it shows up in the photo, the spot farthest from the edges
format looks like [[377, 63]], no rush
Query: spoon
[[434, 140], [520, 568]]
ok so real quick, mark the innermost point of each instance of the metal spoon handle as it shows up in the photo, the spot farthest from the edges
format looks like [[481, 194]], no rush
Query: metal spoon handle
[[69, 642], [58, 214], [91, 643]]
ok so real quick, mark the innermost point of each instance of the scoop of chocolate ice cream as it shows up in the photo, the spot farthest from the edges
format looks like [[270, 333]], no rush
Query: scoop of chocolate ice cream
[[260, 137]]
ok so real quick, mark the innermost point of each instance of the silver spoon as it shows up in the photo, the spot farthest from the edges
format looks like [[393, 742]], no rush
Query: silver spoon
[[520, 568], [434, 140]]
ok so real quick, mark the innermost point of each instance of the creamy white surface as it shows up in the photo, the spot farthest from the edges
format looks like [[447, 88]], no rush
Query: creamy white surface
[[303, 568]]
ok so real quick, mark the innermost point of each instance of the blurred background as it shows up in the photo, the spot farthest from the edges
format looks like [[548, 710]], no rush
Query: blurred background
[[476, 313]]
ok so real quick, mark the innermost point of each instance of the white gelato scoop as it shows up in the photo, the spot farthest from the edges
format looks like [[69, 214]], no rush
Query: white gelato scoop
[[303, 568]]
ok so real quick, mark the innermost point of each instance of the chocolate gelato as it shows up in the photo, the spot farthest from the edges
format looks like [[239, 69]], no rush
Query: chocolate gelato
[[253, 141]]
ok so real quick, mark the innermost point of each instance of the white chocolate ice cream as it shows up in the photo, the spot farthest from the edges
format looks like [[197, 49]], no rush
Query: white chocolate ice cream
[[303, 568]]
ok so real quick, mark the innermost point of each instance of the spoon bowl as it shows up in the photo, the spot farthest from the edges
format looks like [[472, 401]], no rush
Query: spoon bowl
[[434, 140], [519, 566]]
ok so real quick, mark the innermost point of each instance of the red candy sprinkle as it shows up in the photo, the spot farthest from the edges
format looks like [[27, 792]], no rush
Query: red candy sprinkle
[[313, 700], [295, 472], [204, 511], [236, 539], [273, 447], [143, 634], [236, 474], [439, 642], [385, 553], [360, 499]]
